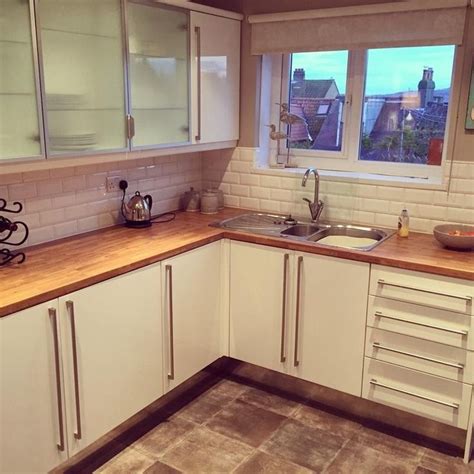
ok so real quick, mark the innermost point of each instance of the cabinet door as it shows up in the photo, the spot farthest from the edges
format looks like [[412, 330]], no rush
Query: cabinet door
[[191, 299], [216, 78], [330, 321], [112, 350], [259, 289], [20, 127], [158, 46], [82, 54], [30, 428]]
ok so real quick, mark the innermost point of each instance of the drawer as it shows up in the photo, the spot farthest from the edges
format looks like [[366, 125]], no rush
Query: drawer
[[426, 395], [421, 288], [426, 356], [432, 324]]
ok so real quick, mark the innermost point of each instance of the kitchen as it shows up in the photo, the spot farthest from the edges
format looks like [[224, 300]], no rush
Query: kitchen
[[117, 355]]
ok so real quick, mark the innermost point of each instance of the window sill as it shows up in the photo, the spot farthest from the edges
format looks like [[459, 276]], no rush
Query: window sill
[[357, 177]]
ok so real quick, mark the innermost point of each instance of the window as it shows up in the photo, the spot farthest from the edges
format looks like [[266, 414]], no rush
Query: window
[[383, 111]]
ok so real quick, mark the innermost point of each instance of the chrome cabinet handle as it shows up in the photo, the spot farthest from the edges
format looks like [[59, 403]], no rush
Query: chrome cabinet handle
[[197, 31], [461, 332], [70, 309], [283, 308], [296, 362], [53, 317], [169, 270], [456, 365], [381, 281], [453, 405], [130, 127]]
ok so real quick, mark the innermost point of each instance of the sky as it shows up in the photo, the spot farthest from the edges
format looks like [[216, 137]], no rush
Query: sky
[[388, 70]]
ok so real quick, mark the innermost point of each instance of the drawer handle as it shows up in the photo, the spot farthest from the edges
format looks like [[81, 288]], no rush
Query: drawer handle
[[441, 328], [296, 361], [381, 281], [456, 365], [453, 405]]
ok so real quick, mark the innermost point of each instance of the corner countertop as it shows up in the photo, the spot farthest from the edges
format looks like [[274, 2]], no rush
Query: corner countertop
[[55, 269]]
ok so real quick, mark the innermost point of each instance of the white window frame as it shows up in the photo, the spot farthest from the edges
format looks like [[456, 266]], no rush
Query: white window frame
[[347, 160]]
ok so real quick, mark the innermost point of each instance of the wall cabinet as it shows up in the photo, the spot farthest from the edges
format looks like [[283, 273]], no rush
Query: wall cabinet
[[216, 78], [113, 76], [300, 314], [106, 342], [192, 312], [20, 121]]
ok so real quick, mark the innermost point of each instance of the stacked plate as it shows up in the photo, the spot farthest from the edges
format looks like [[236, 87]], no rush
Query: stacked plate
[[64, 101], [73, 142]]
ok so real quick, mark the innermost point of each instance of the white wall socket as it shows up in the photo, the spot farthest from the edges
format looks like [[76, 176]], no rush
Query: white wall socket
[[112, 183]]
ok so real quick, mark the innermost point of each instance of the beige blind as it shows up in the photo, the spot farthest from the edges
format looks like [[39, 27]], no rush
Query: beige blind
[[368, 30]]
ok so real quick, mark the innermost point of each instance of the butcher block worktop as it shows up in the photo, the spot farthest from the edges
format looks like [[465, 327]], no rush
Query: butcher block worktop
[[61, 267]]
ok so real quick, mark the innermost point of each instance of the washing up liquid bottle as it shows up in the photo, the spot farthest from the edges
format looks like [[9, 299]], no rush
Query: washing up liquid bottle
[[404, 224]]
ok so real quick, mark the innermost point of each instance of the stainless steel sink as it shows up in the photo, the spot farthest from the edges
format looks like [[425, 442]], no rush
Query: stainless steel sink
[[349, 236], [335, 235], [301, 230]]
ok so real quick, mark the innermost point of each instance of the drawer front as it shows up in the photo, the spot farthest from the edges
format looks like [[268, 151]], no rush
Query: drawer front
[[426, 356], [426, 395], [432, 324], [422, 288]]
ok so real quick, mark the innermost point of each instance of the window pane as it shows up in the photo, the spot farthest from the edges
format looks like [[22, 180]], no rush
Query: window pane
[[317, 93], [406, 104]]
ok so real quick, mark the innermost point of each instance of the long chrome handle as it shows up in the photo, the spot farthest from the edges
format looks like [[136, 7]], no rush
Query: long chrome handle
[[53, 317], [130, 127], [197, 30], [461, 332], [456, 365], [453, 405], [70, 309], [381, 281], [296, 362], [283, 308], [169, 270]]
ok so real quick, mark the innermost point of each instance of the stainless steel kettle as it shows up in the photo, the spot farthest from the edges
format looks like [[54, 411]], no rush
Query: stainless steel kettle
[[137, 212]]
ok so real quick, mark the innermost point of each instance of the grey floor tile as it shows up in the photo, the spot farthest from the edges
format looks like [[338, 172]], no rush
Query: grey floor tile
[[269, 401], [266, 464], [128, 461], [205, 451], [247, 423]]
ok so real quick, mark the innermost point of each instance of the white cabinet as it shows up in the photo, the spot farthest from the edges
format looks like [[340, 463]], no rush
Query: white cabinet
[[331, 321], [192, 312], [215, 70], [31, 413], [259, 305], [299, 314], [74, 368], [111, 335]]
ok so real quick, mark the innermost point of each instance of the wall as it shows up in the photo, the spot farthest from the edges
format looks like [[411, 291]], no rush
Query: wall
[[251, 65], [63, 202], [276, 191]]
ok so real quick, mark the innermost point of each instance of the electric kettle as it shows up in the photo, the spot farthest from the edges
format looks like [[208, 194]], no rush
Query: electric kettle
[[137, 212]]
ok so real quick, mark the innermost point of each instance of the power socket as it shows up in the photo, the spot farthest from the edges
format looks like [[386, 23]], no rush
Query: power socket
[[112, 184]]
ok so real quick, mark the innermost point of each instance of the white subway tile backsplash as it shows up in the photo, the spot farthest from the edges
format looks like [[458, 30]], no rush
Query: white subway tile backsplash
[[362, 203], [22, 191]]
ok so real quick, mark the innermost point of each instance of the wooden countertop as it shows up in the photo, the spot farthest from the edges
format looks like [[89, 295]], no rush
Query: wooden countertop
[[58, 268]]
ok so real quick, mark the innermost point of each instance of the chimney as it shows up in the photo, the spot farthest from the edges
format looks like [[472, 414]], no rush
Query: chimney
[[298, 75], [426, 87]]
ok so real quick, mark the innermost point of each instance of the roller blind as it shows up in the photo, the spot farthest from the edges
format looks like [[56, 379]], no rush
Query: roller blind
[[380, 26]]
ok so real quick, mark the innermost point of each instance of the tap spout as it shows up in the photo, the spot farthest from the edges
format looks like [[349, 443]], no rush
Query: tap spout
[[316, 207]]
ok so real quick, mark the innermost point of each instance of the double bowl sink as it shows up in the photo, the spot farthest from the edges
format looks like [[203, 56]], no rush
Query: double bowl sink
[[335, 235]]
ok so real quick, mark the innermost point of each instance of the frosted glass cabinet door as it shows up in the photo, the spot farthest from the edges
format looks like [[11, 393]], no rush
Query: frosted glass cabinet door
[[19, 111], [158, 44], [82, 54]]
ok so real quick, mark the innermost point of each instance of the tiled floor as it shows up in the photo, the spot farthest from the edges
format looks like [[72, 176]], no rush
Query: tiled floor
[[237, 428]]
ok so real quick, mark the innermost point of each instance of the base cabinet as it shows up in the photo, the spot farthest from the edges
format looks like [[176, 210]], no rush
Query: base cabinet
[[192, 312], [329, 343], [114, 331], [299, 314], [30, 422], [259, 305]]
